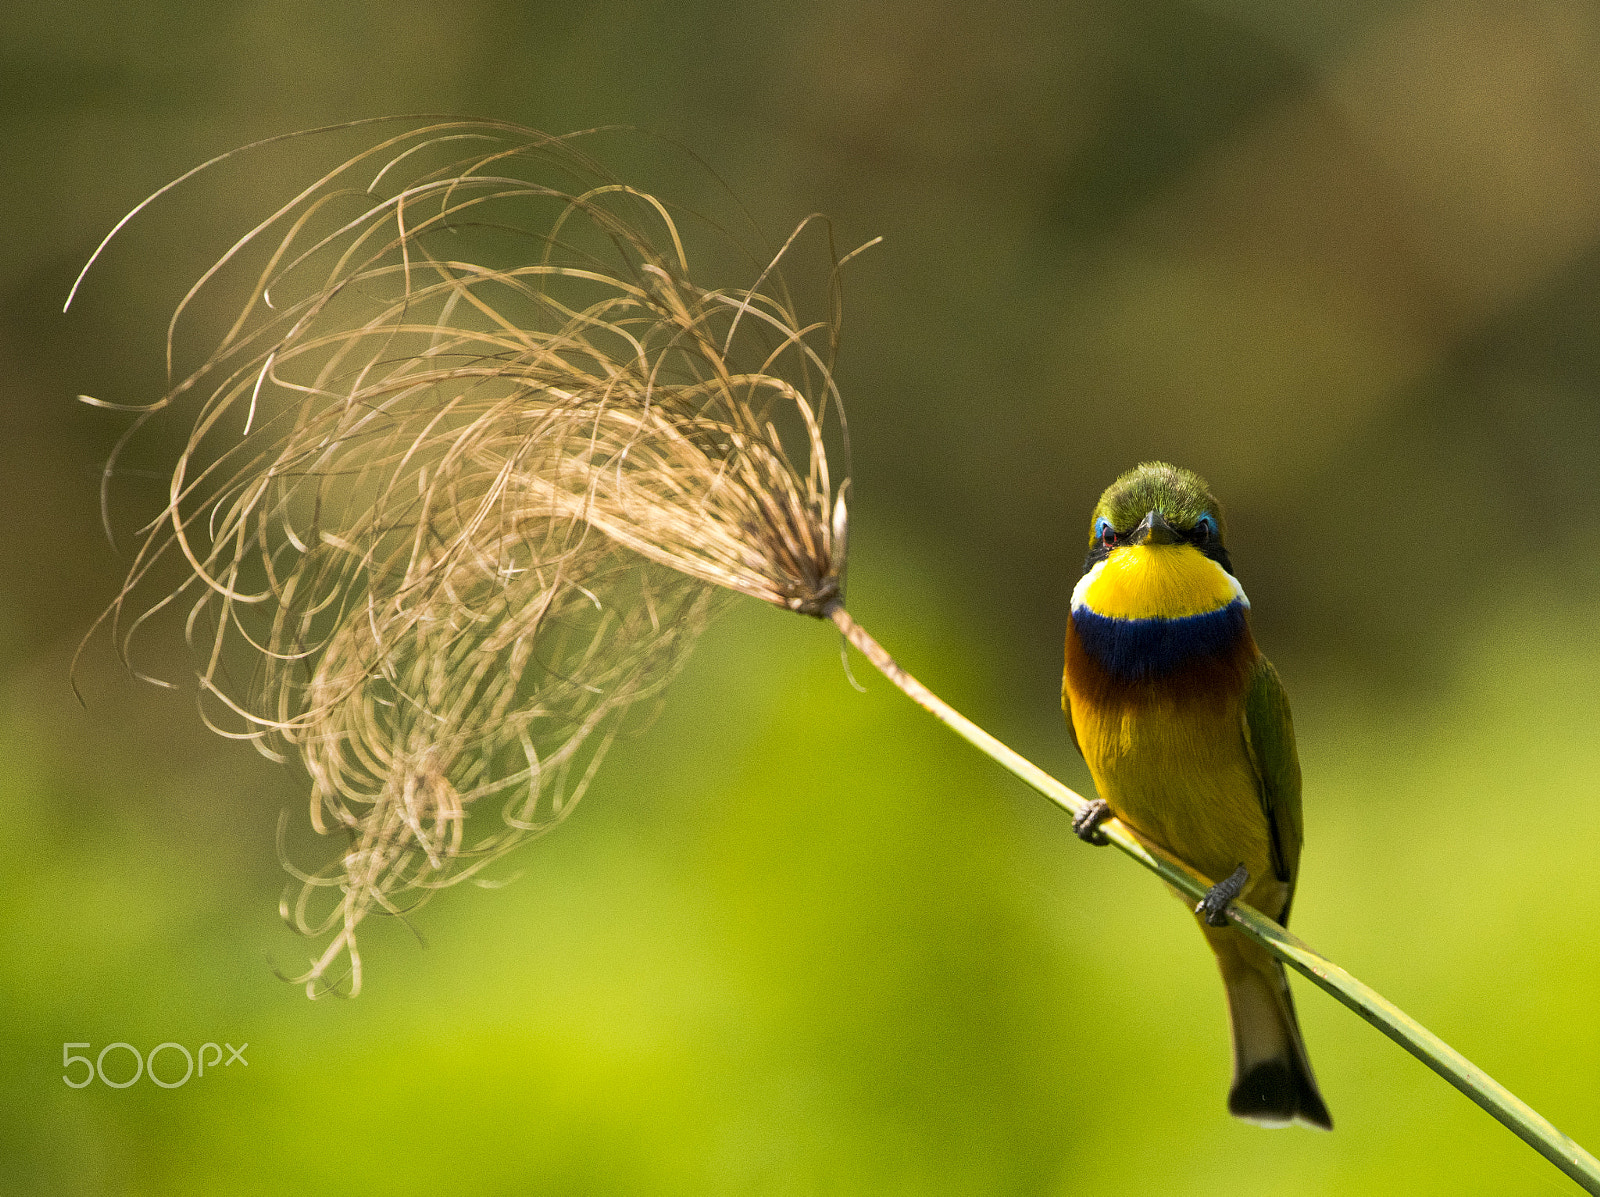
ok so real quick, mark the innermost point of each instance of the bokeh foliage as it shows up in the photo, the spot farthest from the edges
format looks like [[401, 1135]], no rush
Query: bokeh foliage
[[795, 941]]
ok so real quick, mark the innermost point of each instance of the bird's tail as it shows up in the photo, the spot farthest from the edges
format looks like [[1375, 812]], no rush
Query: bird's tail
[[1272, 1081]]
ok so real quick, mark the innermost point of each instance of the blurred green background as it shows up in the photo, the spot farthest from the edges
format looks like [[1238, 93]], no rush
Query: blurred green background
[[1342, 260]]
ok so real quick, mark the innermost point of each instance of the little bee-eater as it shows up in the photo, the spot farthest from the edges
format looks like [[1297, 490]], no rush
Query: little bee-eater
[[1186, 731]]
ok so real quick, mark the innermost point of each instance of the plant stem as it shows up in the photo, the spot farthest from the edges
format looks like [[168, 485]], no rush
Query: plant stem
[[1523, 1121]]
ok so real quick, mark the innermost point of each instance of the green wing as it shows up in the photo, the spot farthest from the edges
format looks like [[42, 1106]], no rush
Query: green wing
[[1269, 737]]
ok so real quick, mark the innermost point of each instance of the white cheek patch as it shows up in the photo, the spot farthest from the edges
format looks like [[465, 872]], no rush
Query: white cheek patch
[[1080, 592], [1238, 590]]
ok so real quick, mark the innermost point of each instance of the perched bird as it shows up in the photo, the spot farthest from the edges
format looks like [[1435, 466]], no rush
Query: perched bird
[[1186, 730]]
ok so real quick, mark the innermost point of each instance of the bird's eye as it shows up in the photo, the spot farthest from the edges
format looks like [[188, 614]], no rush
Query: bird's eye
[[1205, 530], [1104, 532]]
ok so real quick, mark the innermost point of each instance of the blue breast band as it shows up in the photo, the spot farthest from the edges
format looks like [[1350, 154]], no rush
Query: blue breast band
[[1140, 649]]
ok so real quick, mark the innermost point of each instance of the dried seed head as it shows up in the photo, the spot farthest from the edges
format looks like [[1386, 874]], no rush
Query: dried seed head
[[470, 470]]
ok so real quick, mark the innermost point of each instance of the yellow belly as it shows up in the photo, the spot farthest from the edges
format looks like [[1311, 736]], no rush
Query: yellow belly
[[1177, 770]]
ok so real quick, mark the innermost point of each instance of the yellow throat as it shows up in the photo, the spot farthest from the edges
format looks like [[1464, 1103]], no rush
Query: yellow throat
[[1161, 581]]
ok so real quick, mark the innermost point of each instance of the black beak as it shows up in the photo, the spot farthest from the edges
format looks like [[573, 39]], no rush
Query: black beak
[[1154, 530]]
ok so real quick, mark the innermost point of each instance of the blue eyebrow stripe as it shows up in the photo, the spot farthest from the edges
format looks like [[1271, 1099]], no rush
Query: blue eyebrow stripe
[[1140, 649]]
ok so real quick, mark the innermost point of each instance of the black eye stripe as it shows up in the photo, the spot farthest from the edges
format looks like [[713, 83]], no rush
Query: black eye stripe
[[1198, 536]]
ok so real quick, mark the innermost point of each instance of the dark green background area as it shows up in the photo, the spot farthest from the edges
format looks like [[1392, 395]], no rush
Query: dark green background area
[[797, 939]]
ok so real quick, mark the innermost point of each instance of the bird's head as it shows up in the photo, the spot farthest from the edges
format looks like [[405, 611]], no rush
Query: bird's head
[[1156, 503], [1156, 547]]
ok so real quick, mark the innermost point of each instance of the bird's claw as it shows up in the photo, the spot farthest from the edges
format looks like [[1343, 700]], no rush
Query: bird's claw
[[1086, 823], [1215, 904]]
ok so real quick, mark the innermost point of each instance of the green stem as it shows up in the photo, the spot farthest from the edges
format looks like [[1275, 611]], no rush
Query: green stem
[[1523, 1121]]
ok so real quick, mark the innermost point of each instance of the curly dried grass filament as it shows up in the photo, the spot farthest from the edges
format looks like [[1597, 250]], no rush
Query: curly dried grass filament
[[442, 522]]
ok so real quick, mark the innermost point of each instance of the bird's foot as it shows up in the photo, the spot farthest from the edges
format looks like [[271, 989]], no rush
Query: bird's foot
[[1086, 823], [1215, 904]]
